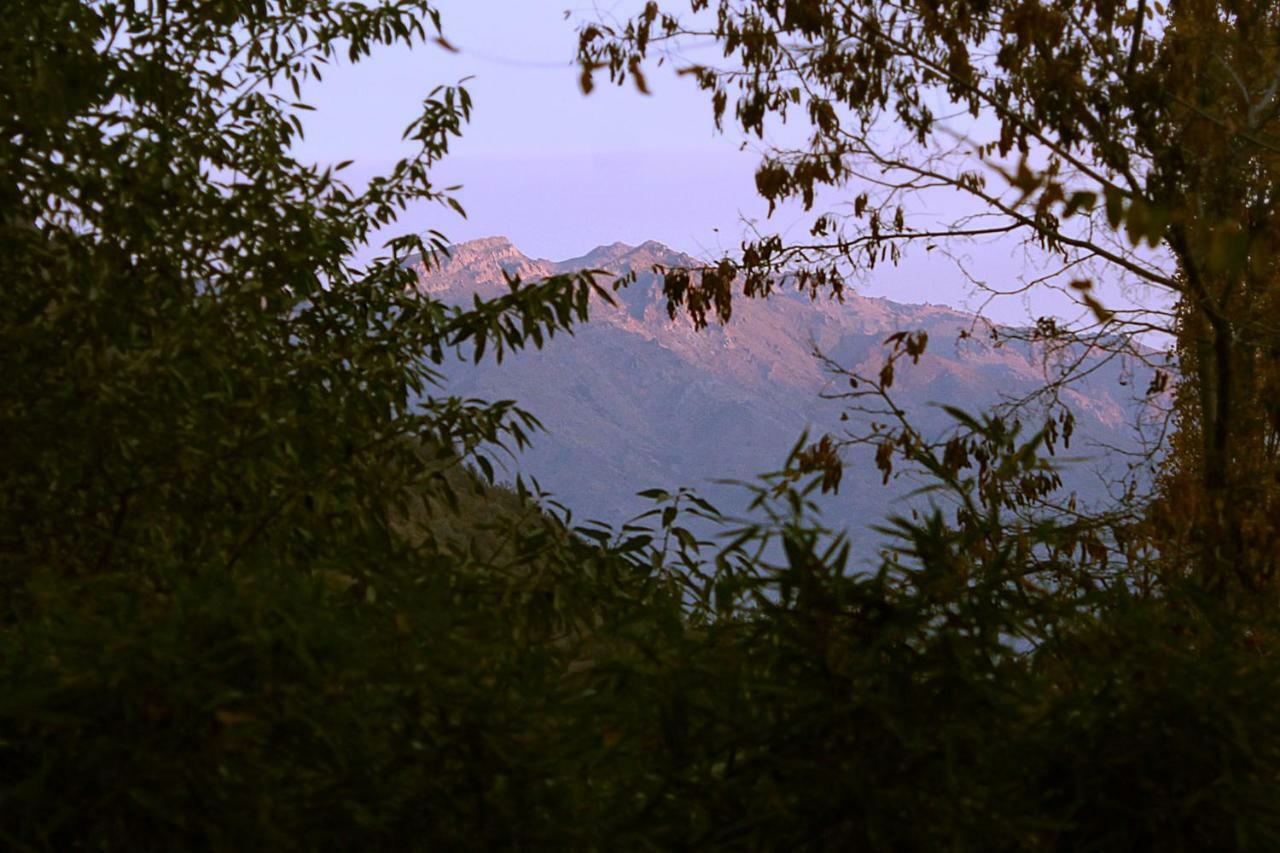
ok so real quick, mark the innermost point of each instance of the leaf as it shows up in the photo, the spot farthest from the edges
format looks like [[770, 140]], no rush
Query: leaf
[[1099, 310], [1115, 206], [1079, 201], [638, 75], [685, 538], [635, 543]]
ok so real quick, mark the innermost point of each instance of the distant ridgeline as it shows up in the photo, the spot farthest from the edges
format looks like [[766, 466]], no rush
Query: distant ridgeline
[[635, 400]]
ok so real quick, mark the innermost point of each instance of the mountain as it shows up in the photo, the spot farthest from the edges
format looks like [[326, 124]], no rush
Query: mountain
[[634, 400]]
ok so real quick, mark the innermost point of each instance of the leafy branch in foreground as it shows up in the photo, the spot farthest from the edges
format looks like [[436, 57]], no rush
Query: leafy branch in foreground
[[1124, 142]]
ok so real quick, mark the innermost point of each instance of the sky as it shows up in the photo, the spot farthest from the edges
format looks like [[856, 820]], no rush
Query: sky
[[559, 172], [556, 171]]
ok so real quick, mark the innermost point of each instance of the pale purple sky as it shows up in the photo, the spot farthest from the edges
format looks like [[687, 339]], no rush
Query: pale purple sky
[[560, 173], [557, 172]]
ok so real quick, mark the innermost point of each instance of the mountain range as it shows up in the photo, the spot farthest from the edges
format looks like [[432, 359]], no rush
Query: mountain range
[[635, 400]]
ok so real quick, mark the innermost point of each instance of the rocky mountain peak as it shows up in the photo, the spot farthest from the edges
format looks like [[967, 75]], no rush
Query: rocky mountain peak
[[623, 257], [485, 245], [480, 266]]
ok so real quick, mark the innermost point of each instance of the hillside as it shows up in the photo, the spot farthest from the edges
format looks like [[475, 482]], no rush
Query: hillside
[[635, 400]]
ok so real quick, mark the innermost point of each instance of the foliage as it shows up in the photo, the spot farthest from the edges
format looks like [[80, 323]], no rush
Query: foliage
[[213, 427], [254, 597], [1097, 130]]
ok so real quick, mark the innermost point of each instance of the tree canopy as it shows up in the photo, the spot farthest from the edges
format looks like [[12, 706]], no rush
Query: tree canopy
[[1099, 131]]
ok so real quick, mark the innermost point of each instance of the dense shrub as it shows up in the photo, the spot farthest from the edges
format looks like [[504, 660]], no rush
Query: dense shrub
[[254, 598]]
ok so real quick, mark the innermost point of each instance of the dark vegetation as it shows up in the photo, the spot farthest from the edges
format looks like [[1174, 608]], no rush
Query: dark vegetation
[[259, 591]]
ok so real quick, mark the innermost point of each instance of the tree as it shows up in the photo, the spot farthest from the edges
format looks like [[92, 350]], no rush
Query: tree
[[183, 286], [1089, 128], [215, 629]]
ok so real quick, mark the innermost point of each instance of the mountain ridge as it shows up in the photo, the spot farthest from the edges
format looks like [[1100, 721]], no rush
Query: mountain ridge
[[635, 399]]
